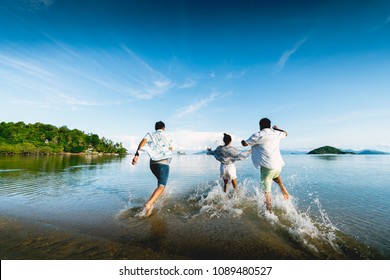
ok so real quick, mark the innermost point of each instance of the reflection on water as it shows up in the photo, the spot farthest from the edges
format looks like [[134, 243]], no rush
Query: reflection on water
[[327, 157], [332, 214], [53, 163]]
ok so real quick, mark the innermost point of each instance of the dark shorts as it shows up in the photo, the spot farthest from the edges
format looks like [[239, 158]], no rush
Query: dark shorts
[[161, 171]]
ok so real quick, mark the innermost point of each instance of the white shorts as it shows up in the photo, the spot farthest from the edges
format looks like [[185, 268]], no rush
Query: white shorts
[[228, 172]]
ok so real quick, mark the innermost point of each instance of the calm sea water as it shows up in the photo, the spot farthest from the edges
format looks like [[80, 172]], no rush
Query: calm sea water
[[339, 207]]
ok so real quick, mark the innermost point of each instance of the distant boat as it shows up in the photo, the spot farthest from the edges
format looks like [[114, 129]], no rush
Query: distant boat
[[181, 153]]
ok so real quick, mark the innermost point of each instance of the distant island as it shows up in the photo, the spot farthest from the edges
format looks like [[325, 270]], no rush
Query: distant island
[[39, 138], [328, 150], [332, 150]]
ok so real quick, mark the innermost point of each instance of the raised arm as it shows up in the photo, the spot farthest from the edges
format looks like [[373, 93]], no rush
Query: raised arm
[[275, 127], [136, 155]]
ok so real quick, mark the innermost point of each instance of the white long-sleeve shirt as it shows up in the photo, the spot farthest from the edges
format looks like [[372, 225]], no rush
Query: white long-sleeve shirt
[[265, 148]]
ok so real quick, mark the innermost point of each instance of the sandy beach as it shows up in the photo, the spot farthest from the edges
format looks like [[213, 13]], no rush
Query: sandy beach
[[23, 240]]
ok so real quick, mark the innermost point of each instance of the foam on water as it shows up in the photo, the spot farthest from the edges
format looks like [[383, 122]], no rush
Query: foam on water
[[310, 227], [299, 223]]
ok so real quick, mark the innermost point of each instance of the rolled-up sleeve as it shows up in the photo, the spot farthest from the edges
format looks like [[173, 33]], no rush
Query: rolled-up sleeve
[[253, 139]]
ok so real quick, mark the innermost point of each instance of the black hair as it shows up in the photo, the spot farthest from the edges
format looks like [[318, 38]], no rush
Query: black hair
[[159, 125], [265, 123], [227, 139]]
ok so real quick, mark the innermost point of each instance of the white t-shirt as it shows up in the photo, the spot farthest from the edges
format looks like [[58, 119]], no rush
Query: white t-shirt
[[265, 148], [158, 145]]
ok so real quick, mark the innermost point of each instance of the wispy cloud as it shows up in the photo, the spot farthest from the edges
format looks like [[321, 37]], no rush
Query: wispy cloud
[[384, 146], [27, 67], [200, 140], [59, 101], [197, 105], [382, 24], [107, 78], [147, 81], [188, 83], [32, 4], [287, 54], [235, 75]]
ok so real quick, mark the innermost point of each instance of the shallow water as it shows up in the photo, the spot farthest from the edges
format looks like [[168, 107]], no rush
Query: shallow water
[[339, 209]]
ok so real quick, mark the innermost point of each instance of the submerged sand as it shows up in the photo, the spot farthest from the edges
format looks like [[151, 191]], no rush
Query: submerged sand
[[21, 240]]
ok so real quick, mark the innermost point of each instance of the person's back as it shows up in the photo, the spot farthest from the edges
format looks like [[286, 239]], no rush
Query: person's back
[[266, 157], [228, 154], [158, 145], [266, 148]]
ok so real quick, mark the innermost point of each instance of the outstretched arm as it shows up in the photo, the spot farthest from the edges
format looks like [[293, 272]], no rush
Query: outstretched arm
[[136, 155], [275, 127], [209, 151], [236, 154]]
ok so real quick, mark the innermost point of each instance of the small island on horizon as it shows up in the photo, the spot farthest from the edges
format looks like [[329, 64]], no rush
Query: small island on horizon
[[329, 150]]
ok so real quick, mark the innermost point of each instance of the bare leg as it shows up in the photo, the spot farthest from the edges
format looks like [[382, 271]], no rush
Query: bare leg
[[268, 201], [156, 194], [285, 193], [225, 184], [234, 183]]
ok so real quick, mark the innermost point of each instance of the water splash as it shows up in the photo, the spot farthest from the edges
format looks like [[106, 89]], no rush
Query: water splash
[[210, 200]]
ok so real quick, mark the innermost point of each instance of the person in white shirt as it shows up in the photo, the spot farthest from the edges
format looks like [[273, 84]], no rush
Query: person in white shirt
[[266, 156], [158, 145]]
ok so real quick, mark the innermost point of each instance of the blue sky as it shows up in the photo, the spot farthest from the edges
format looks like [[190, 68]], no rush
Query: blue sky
[[318, 69]]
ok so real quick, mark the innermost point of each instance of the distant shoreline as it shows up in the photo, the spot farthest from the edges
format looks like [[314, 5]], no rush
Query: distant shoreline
[[329, 150], [62, 154]]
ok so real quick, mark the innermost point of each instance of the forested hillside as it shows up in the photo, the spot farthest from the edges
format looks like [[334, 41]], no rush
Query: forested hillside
[[38, 138]]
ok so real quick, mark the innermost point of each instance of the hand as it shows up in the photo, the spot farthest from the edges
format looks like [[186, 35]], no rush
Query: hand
[[135, 160], [244, 143]]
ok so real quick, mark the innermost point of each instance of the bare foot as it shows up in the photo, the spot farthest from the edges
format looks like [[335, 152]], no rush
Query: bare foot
[[286, 195], [149, 209]]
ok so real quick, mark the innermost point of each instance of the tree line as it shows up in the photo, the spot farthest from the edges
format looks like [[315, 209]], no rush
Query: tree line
[[39, 138]]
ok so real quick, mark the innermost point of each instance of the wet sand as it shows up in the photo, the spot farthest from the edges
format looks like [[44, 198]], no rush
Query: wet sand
[[24, 240], [155, 240]]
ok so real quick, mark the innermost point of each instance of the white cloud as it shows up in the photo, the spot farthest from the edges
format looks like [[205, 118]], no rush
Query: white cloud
[[199, 140], [287, 54], [28, 67], [128, 141], [96, 73], [384, 147], [162, 84], [197, 105]]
